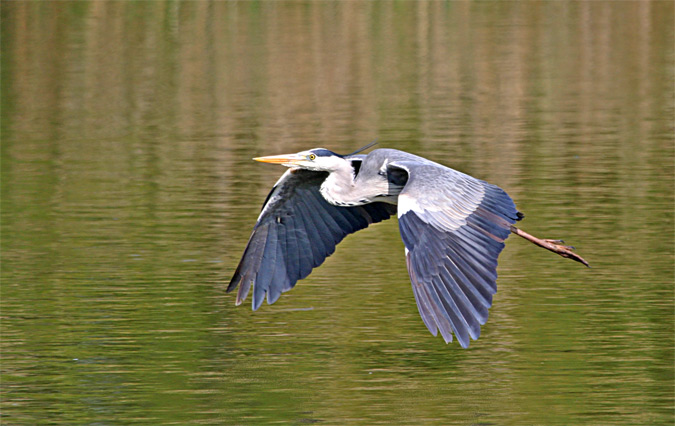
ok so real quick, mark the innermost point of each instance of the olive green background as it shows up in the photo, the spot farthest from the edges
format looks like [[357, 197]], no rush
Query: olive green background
[[128, 196]]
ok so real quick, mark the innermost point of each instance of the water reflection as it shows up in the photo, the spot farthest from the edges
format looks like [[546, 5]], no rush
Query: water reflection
[[128, 195]]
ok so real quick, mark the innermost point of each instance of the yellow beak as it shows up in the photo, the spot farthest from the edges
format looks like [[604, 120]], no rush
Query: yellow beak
[[289, 159]]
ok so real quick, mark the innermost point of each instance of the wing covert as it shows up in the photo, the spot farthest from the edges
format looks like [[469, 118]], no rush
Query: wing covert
[[296, 231], [453, 227]]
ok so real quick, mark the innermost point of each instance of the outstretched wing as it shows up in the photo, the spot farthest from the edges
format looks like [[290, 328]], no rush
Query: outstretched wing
[[296, 231], [453, 227]]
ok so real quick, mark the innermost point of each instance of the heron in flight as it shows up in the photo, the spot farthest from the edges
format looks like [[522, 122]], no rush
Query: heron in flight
[[453, 227]]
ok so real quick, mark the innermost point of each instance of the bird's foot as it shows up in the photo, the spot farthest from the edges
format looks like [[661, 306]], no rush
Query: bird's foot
[[555, 246], [559, 243], [565, 251]]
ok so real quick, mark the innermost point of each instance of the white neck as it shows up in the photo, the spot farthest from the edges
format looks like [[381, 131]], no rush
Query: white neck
[[338, 188], [342, 188]]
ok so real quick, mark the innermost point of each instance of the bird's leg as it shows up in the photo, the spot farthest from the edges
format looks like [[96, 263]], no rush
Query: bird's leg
[[554, 245]]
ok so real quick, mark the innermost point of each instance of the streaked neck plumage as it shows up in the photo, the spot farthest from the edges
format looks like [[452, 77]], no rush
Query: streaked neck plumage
[[343, 187]]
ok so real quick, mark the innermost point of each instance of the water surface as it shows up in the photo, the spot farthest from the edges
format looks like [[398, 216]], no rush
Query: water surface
[[128, 196]]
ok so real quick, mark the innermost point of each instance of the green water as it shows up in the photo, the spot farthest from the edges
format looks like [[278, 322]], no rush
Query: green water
[[128, 196]]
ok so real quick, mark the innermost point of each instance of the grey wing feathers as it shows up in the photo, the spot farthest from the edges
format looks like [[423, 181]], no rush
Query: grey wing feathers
[[295, 232], [453, 227]]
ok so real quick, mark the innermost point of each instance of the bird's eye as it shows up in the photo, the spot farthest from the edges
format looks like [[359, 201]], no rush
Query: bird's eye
[[312, 157]]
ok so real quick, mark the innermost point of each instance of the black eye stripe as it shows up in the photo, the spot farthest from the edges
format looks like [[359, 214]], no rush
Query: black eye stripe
[[321, 152]]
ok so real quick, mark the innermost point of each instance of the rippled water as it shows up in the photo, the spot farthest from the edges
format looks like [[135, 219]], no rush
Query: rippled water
[[128, 195]]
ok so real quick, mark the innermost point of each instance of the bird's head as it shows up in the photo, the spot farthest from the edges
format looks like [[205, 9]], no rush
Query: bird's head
[[317, 159]]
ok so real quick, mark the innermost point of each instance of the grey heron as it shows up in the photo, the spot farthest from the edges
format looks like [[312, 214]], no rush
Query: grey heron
[[453, 228]]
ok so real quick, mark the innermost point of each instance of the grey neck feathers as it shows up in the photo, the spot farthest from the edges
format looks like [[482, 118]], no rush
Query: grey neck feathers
[[338, 188], [342, 188]]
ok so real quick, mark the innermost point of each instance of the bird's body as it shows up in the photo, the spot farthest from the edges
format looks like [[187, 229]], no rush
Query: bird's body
[[453, 227]]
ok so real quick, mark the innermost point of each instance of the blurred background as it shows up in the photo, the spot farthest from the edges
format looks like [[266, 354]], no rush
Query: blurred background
[[128, 195]]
